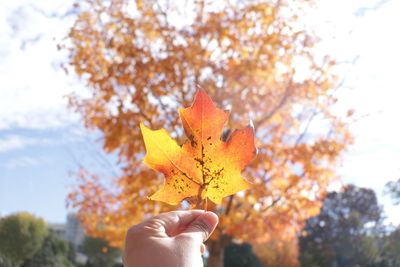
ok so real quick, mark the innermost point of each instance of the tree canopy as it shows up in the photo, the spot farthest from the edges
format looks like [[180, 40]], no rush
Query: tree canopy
[[142, 60], [21, 236], [240, 255], [345, 232], [99, 252], [53, 252], [393, 189]]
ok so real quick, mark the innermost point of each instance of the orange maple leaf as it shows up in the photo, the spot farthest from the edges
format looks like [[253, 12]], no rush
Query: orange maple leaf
[[205, 166]]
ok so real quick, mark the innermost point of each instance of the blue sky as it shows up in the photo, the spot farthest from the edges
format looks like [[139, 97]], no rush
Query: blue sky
[[40, 139]]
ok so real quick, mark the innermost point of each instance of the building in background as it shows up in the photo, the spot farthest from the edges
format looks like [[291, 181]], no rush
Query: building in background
[[74, 233], [59, 229]]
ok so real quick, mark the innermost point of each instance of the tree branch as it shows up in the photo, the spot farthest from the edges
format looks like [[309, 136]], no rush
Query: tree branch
[[281, 103]]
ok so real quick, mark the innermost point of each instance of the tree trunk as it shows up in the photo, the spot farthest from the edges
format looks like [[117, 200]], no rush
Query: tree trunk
[[216, 257], [216, 249]]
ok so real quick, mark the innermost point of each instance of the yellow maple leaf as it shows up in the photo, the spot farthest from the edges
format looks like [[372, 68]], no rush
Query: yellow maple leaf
[[205, 166]]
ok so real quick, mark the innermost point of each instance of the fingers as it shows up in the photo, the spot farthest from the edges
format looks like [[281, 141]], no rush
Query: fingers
[[202, 249], [178, 235], [196, 224], [202, 227], [175, 222]]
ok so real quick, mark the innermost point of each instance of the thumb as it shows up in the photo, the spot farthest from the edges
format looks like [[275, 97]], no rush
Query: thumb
[[202, 227]]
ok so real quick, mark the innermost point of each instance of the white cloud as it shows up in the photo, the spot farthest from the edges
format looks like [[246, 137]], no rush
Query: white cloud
[[373, 159], [72, 134], [33, 86], [15, 142], [23, 162], [365, 29]]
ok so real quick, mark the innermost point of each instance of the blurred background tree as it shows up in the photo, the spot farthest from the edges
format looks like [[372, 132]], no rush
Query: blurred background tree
[[240, 255], [392, 188], [143, 59], [53, 252], [390, 250], [346, 233], [278, 252], [21, 236], [99, 253]]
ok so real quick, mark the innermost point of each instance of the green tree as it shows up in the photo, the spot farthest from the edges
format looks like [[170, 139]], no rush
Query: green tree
[[99, 252], [54, 252], [393, 189], [21, 236], [4, 262], [390, 247], [240, 255], [344, 233]]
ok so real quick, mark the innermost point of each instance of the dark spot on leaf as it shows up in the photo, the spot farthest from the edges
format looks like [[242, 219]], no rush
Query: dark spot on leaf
[[193, 142]]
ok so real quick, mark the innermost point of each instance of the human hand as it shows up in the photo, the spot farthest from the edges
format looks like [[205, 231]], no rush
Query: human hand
[[173, 239]]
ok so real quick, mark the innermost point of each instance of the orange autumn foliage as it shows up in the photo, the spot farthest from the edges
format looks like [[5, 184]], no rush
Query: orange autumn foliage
[[278, 252], [142, 61]]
